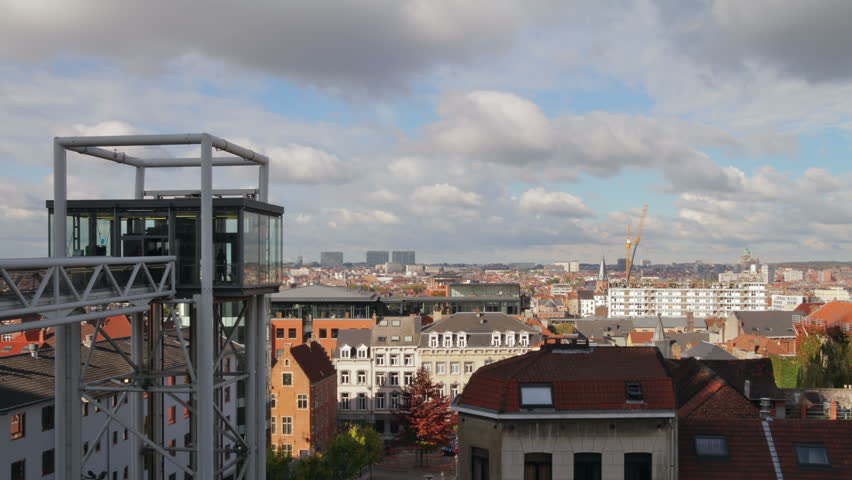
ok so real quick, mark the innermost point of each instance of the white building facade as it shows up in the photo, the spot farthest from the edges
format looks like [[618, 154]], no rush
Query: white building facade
[[717, 300]]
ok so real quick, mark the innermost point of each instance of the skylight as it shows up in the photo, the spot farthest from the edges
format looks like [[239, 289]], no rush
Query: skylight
[[634, 392], [536, 395], [711, 447], [812, 454]]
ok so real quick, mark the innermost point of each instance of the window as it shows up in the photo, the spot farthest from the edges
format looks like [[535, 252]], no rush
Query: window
[[408, 377], [334, 332], [344, 377], [394, 359], [287, 379], [362, 401], [362, 377], [170, 380], [172, 445], [323, 333], [394, 338], [362, 352], [227, 394], [171, 415], [383, 339], [124, 434], [811, 455], [440, 368], [86, 446], [47, 418], [286, 425], [408, 360], [47, 462], [380, 360], [468, 368], [454, 390], [344, 401], [455, 368], [18, 423], [634, 392], [524, 340], [291, 333], [478, 463], [587, 466], [427, 366], [536, 395], [395, 323], [510, 339], [711, 447], [380, 401], [461, 339], [273, 425], [302, 402], [115, 437], [380, 379], [19, 470], [433, 340], [495, 339], [345, 351], [394, 378], [279, 333], [408, 338], [538, 466], [287, 449], [448, 339], [394, 402], [637, 466]]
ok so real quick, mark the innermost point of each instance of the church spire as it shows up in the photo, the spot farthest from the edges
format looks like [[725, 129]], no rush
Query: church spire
[[659, 332], [602, 275]]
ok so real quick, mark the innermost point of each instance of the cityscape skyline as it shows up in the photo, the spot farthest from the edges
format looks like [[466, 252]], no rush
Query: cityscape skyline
[[528, 132]]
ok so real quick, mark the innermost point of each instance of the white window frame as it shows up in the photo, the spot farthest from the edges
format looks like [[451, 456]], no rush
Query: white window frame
[[344, 377], [345, 351], [380, 360], [461, 339], [361, 377], [495, 339], [468, 368], [380, 401], [433, 340], [408, 360], [448, 340], [510, 339], [381, 378], [440, 368], [362, 352], [394, 359]]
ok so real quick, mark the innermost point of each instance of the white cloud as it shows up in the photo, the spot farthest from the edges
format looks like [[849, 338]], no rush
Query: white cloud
[[302, 164], [303, 219], [538, 201], [344, 217]]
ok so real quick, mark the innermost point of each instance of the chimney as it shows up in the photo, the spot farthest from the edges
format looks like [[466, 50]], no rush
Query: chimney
[[690, 321], [33, 347]]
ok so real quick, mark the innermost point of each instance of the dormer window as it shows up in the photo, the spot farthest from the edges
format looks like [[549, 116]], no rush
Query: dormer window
[[433, 340], [811, 455], [510, 339], [634, 392], [461, 339], [711, 447], [345, 351], [524, 339], [448, 339], [537, 395], [362, 351], [495, 339]]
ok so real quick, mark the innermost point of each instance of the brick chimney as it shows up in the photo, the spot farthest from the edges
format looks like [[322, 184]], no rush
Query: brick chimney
[[690, 321]]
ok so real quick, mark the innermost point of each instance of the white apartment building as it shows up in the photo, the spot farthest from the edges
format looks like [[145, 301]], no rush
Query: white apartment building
[[717, 300], [561, 289], [27, 418], [786, 302], [372, 367], [792, 275], [832, 294]]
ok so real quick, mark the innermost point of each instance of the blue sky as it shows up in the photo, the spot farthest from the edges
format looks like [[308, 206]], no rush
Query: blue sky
[[467, 131]]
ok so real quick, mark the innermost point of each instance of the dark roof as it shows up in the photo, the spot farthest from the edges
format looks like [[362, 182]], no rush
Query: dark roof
[[313, 360], [591, 379], [708, 351], [353, 337], [598, 329], [758, 371], [382, 335], [770, 323], [25, 380], [695, 384], [323, 293], [748, 451], [586, 294], [473, 323], [668, 322], [688, 337]]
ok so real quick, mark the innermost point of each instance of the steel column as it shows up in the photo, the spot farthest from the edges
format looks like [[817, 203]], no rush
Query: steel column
[[252, 416], [263, 183], [137, 407], [139, 191], [203, 341], [260, 356]]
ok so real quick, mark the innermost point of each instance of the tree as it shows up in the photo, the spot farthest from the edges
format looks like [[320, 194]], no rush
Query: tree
[[425, 413], [824, 358], [277, 465], [357, 447]]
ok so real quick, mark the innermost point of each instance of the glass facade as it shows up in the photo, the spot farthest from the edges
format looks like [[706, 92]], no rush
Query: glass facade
[[247, 244]]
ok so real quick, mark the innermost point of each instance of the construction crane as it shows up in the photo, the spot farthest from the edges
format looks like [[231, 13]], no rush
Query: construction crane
[[633, 244]]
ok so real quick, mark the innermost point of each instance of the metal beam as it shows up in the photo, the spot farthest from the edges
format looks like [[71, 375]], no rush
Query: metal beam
[[203, 340], [237, 150], [260, 355], [113, 156], [127, 140], [57, 321], [252, 416], [139, 187], [185, 193], [194, 162], [33, 263]]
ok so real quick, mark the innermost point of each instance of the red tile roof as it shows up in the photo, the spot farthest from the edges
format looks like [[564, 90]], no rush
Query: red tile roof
[[832, 313], [582, 380], [641, 337]]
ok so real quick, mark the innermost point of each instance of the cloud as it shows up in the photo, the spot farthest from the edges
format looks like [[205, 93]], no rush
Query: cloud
[[302, 164], [344, 217], [444, 200], [538, 201], [303, 219], [351, 46]]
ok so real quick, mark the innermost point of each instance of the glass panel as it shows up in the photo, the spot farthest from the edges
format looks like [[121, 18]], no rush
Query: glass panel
[[536, 395], [251, 252], [104, 226], [587, 466], [711, 446], [637, 466], [186, 248], [226, 247]]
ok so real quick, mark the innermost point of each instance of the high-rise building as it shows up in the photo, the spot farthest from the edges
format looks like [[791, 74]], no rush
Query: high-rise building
[[377, 257], [712, 300], [331, 259], [403, 257]]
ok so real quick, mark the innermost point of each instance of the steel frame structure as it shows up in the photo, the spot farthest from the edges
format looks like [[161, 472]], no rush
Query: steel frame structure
[[84, 282]]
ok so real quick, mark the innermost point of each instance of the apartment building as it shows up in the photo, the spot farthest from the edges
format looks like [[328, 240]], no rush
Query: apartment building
[[454, 348], [716, 300], [373, 366], [303, 391]]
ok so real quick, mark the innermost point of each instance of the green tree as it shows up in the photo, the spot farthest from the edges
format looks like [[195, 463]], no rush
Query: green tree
[[359, 446], [562, 328], [313, 468], [277, 465], [824, 358]]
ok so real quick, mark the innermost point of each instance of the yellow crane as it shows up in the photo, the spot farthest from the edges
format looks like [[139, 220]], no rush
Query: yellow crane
[[633, 244]]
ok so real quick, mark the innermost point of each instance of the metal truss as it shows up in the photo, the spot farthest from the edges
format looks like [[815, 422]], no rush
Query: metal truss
[[66, 291]]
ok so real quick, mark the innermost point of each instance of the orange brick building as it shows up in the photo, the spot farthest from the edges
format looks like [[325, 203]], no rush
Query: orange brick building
[[289, 332], [304, 400]]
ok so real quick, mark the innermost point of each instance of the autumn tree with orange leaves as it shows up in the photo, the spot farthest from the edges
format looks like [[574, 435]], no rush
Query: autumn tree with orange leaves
[[425, 414]]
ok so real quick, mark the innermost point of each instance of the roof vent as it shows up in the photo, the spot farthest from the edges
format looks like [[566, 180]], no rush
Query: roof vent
[[33, 347]]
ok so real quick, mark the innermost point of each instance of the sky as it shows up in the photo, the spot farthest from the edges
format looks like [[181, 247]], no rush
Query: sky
[[469, 131]]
